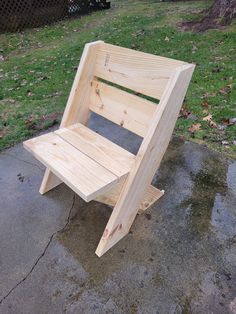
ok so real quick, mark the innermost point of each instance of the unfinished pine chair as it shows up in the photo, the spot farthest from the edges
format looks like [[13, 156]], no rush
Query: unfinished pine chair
[[91, 165]]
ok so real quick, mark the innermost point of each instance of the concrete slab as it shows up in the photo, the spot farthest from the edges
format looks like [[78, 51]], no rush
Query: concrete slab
[[180, 256]]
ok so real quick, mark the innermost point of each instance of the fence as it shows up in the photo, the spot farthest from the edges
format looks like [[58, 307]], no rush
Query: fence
[[18, 14]]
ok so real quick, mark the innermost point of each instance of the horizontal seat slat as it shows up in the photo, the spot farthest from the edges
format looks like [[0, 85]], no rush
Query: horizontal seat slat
[[127, 110], [81, 173], [106, 153], [142, 72]]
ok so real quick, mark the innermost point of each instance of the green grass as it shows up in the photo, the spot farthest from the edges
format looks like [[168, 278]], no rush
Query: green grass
[[40, 64]]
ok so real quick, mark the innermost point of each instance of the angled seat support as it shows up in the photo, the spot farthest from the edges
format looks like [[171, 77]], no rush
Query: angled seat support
[[148, 160], [96, 168]]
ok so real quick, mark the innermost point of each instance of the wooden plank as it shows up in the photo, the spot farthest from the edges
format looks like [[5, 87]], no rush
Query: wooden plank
[[82, 174], [77, 109], [148, 160], [109, 155], [50, 181], [129, 111], [142, 72], [151, 195]]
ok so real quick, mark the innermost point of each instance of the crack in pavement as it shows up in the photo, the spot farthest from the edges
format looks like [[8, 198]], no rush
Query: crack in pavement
[[25, 161], [43, 253]]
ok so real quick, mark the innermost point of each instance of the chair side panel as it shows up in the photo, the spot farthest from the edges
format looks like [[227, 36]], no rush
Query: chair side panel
[[147, 161]]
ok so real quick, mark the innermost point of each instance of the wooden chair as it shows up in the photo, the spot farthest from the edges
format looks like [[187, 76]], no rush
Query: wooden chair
[[91, 165]]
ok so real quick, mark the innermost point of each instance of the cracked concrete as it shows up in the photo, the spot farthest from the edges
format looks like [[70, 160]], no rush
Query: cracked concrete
[[180, 257], [44, 250]]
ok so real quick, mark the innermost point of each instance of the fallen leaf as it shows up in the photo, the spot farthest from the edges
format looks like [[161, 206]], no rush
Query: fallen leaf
[[225, 121], [30, 124], [219, 58], [42, 78], [207, 118], [205, 104], [195, 127], [225, 143], [184, 113], [207, 95], [226, 90], [229, 121], [212, 124]]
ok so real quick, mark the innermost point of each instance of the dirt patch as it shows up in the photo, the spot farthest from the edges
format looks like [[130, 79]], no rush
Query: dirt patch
[[221, 13], [44, 122]]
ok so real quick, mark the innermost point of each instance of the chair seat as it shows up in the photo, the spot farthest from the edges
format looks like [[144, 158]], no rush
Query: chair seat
[[86, 161]]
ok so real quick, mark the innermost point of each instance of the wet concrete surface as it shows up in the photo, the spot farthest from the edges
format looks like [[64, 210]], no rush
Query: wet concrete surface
[[180, 256]]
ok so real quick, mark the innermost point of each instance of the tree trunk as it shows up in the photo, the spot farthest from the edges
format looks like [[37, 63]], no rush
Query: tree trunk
[[223, 9], [220, 13]]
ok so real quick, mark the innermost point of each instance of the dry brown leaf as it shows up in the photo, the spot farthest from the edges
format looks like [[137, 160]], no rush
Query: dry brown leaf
[[208, 118], [225, 143], [184, 113], [226, 90], [219, 58], [207, 94], [205, 104], [212, 124], [195, 127], [229, 121]]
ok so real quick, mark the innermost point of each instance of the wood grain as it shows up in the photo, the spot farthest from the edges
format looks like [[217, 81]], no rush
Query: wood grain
[[106, 153], [142, 72], [77, 109], [147, 161], [151, 195], [129, 111], [82, 174]]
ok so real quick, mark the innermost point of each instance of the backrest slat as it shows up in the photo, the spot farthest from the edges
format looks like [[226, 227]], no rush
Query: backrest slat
[[142, 72], [130, 111]]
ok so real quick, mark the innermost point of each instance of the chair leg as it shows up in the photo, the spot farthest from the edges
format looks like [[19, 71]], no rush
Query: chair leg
[[116, 228], [50, 181], [121, 218]]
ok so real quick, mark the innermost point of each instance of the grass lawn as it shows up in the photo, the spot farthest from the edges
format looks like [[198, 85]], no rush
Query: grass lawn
[[37, 68]]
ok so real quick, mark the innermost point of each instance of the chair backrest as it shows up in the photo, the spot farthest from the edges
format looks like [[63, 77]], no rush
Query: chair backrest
[[139, 72], [112, 82]]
